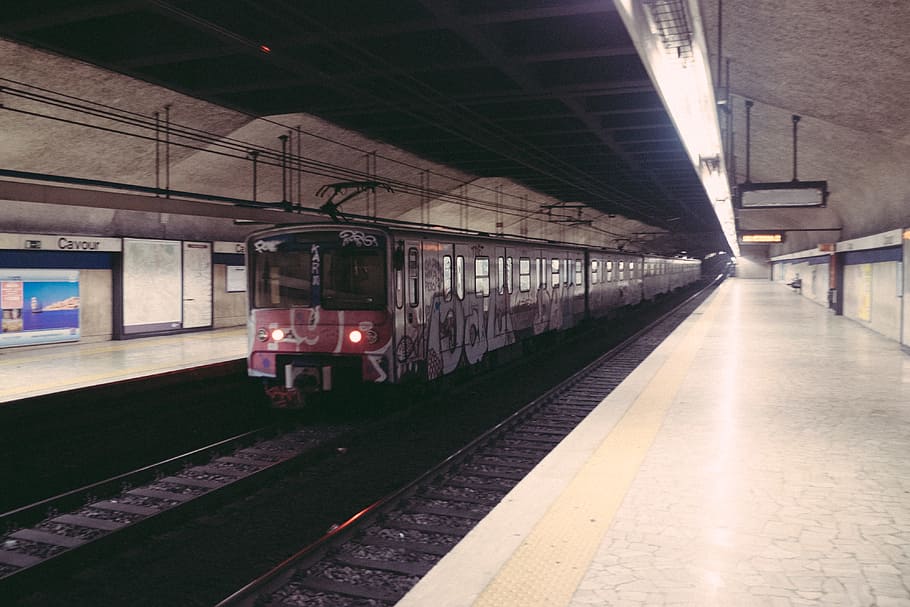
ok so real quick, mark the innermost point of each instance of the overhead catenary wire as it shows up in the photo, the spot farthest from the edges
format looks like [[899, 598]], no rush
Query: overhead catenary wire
[[143, 127], [212, 140], [543, 162]]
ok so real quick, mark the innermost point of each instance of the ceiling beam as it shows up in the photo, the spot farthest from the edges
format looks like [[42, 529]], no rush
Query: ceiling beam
[[74, 14]]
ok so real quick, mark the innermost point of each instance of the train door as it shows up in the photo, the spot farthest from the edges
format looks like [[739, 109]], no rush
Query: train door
[[412, 308], [903, 275], [498, 326]]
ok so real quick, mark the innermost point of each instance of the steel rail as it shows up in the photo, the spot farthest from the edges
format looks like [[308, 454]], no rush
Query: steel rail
[[251, 594]]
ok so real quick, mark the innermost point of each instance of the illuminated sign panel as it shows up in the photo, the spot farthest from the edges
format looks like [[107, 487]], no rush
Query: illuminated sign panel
[[761, 238], [39, 306], [785, 194]]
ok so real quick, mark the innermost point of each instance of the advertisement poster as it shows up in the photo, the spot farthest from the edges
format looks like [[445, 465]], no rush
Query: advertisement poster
[[39, 306], [152, 286], [236, 279]]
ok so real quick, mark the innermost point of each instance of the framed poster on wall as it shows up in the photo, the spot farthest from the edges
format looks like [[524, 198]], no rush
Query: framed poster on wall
[[152, 286], [236, 279], [39, 306], [165, 286]]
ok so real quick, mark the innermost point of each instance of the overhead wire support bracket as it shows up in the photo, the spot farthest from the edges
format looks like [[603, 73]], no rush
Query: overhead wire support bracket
[[359, 187]]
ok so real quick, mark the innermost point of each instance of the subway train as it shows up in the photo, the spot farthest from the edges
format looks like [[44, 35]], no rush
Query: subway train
[[337, 305]]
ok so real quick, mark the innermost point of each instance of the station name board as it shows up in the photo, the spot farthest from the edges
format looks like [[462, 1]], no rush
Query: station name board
[[59, 242], [221, 246], [761, 238]]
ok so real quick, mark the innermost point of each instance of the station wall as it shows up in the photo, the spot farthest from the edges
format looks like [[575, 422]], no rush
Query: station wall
[[56, 288], [814, 274], [95, 310], [753, 263], [871, 296], [229, 307], [872, 280]]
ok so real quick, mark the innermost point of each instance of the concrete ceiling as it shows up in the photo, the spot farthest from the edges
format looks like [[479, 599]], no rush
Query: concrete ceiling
[[842, 67], [479, 113], [549, 100]]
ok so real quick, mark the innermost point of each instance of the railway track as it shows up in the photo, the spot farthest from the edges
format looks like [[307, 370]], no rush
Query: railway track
[[45, 537], [376, 556]]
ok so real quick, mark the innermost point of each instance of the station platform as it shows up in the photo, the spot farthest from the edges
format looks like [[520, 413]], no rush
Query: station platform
[[757, 457], [41, 370]]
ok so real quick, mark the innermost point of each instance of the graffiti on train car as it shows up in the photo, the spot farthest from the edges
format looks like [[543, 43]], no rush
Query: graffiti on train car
[[459, 332], [431, 305]]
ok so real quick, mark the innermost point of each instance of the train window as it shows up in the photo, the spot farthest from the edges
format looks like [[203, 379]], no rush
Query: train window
[[447, 277], [565, 271], [622, 270], [482, 276], [578, 270], [631, 270], [279, 280], [595, 271], [500, 270], [459, 277], [509, 274], [399, 289], [353, 278], [413, 282], [554, 272], [609, 271], [524, 274]]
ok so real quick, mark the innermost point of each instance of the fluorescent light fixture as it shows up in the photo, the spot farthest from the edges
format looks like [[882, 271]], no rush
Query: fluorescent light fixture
[[761, 238], [683, 80]]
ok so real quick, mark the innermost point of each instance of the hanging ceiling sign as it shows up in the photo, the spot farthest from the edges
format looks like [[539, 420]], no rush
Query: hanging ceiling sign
[[761, 237], [782, 195]]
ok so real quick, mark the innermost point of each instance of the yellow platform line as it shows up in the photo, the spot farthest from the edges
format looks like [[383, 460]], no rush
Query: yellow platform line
[[551, 562]]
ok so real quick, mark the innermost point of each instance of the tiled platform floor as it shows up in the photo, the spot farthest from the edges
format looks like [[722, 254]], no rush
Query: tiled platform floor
[[761, 456], [33, 371]]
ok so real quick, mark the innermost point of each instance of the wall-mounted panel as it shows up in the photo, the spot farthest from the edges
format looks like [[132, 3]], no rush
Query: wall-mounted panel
[[152, 286], [39, 306]]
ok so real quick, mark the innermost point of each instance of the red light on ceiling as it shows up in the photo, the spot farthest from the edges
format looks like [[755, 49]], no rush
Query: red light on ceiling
[[264, 48]]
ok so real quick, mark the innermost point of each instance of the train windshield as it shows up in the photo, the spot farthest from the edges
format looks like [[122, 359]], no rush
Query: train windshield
[[353, 279], [330, 269]]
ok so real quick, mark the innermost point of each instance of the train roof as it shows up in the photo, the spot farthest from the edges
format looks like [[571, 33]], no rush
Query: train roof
[[429, 230]]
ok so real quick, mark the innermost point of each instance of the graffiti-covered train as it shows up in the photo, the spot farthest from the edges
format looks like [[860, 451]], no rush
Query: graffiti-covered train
[[334, 305]]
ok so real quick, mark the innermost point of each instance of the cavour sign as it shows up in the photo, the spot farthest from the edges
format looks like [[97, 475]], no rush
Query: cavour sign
[[60, 242]]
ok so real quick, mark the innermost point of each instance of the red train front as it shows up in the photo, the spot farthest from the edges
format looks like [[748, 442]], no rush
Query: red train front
[[319, 309]]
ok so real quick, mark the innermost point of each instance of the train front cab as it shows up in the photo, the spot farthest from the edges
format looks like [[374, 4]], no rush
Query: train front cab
[[320, 315]]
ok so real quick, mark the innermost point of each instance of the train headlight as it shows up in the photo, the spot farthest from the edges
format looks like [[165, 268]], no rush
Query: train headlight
[[262, 335], [355, 336], [277, 334]]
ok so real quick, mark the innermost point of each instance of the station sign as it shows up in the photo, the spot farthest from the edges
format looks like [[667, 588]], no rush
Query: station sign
[[783, 194], [761, 238], [891, 238], [60, 242], [233, 248]]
